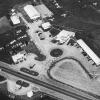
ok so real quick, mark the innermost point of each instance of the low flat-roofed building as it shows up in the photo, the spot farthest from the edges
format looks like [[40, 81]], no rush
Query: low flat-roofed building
[[19, 56], [64, 36], [44, 11], [88, 50], [15, 19]]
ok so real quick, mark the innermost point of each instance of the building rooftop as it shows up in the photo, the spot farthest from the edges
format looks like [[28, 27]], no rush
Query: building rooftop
[[44, 11]]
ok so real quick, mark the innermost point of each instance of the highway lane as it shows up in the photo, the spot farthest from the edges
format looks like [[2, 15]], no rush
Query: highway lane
[[46, 85]]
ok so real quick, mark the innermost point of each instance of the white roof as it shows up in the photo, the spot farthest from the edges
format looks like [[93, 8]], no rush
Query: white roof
[[31, 11], [17, 57], [64, 35], [93, 56], [30, 94], [15, 19], [46, 25]]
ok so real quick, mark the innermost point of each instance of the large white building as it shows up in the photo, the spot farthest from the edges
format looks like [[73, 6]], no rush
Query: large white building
[[31, 12], [91, 54]]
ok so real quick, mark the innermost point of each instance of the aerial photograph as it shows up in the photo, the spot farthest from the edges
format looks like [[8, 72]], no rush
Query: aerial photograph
[[49, 49]]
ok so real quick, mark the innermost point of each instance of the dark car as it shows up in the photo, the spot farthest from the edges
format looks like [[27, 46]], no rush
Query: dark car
[[28, 71]]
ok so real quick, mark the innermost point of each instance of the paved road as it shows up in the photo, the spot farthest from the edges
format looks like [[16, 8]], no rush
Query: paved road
[[46, 85]]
